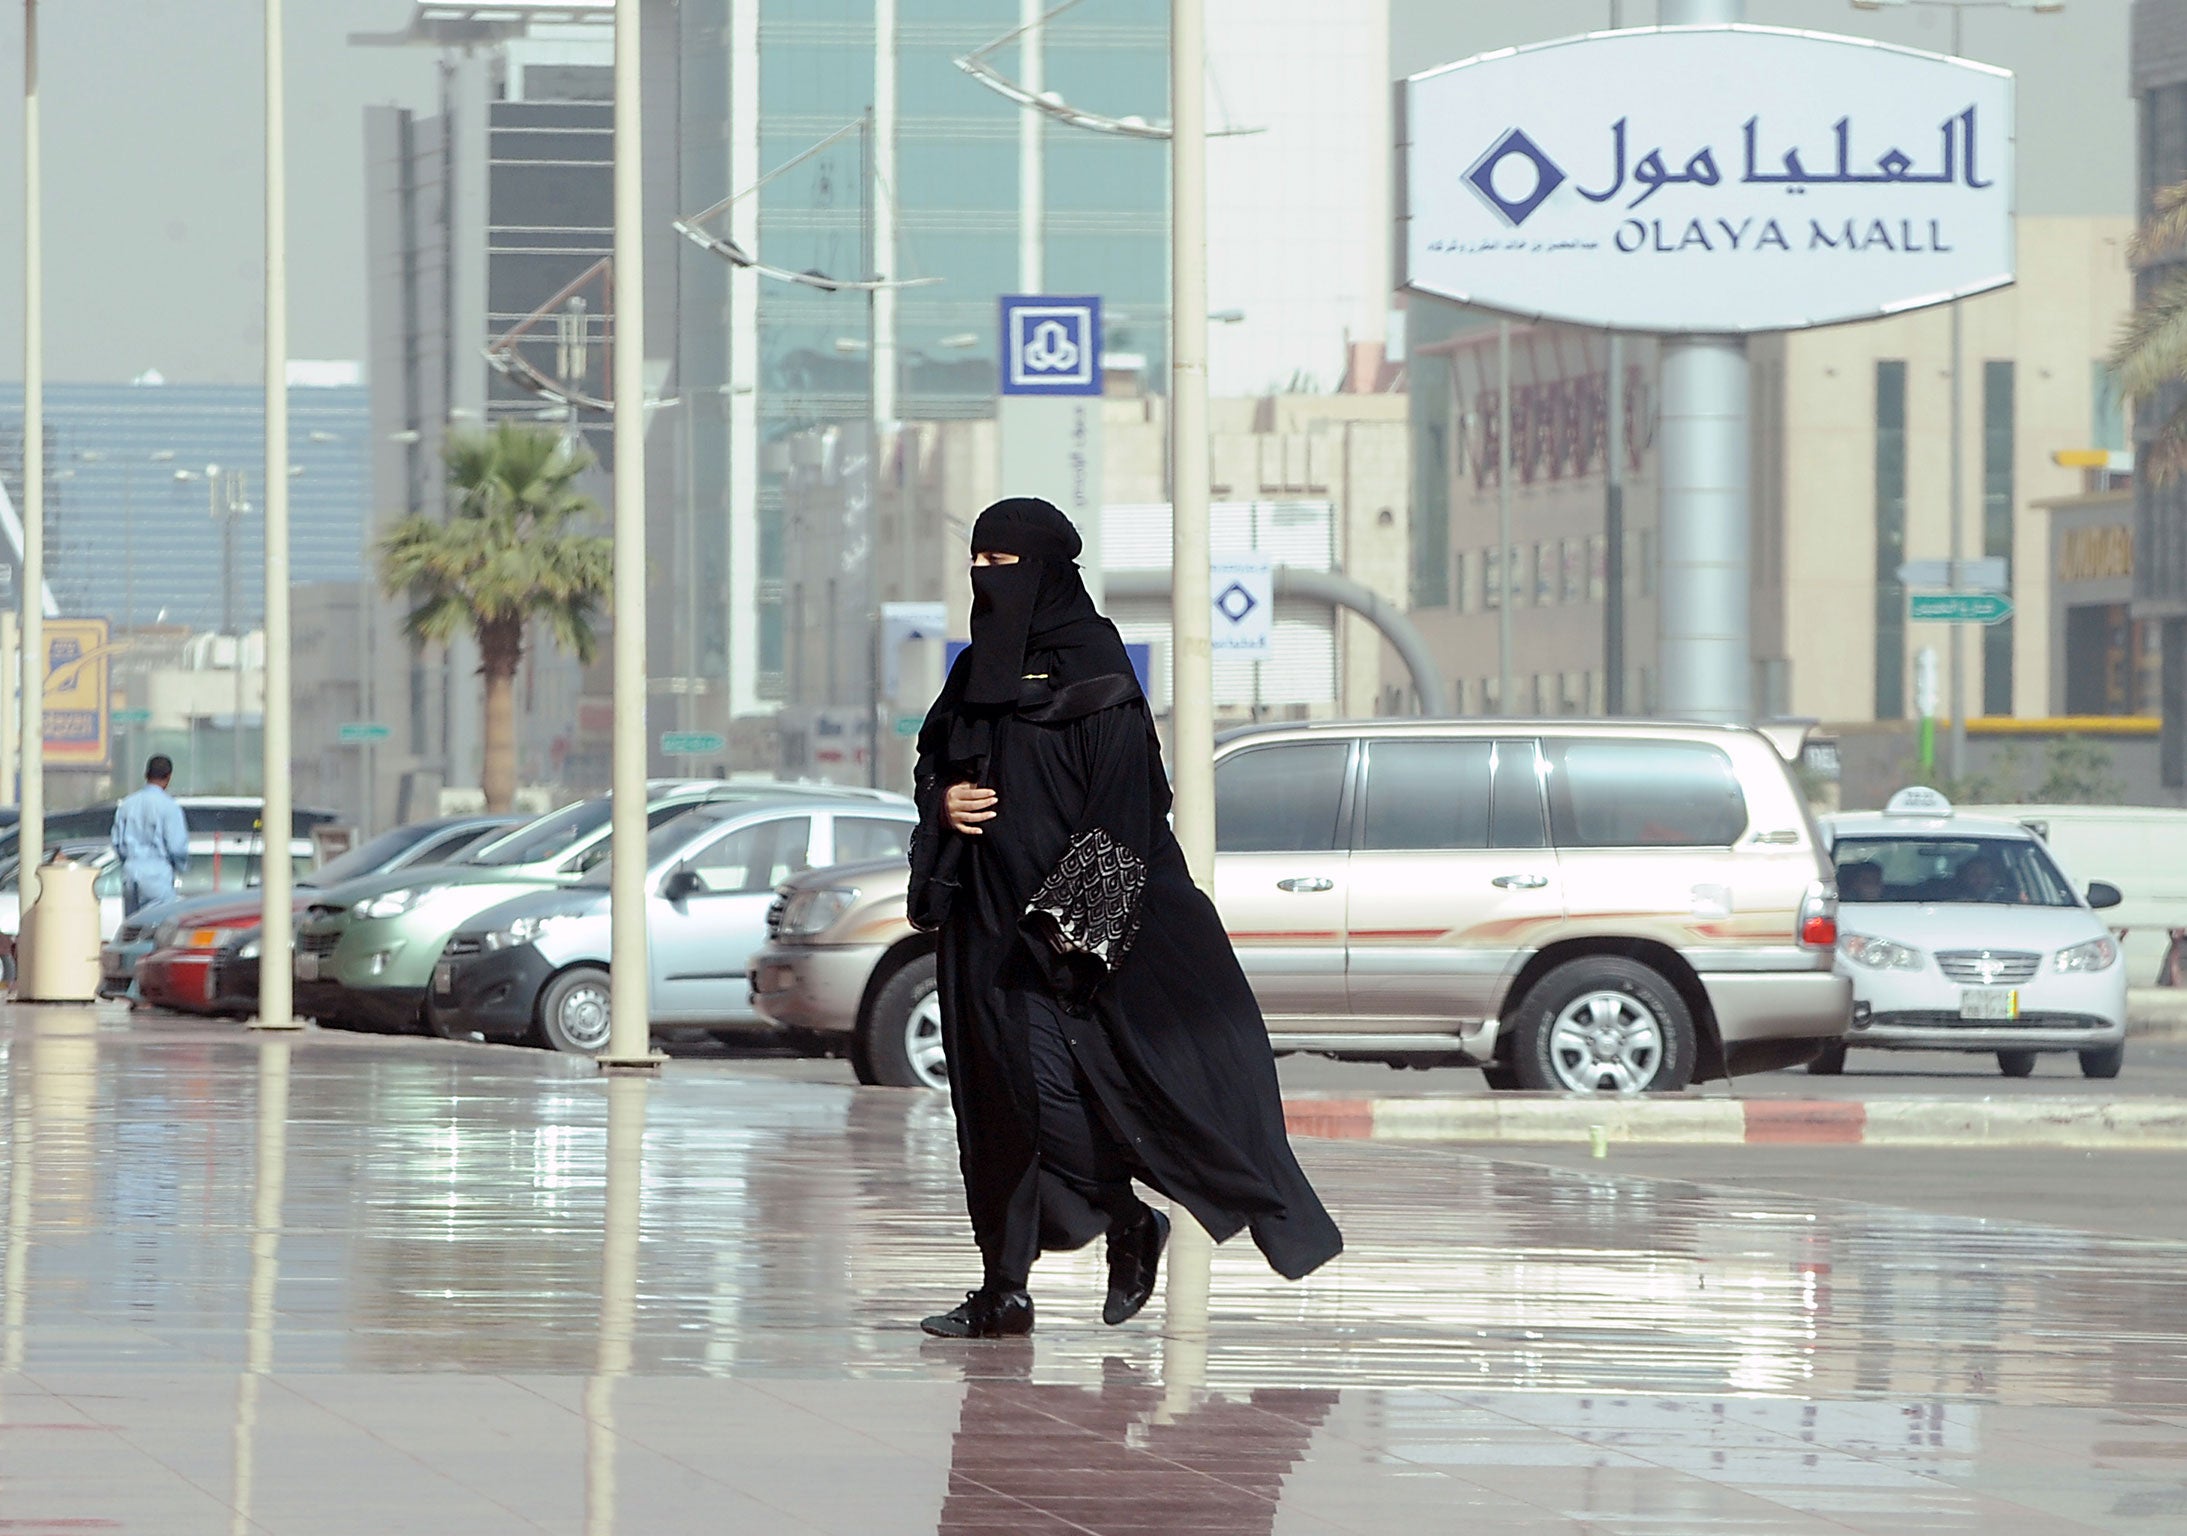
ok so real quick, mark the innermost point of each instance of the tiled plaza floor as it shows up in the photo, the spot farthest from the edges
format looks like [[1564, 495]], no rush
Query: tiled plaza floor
[[321, 1284]]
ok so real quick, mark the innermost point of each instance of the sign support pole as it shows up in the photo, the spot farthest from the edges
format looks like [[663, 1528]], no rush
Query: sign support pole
[[1706, 648]]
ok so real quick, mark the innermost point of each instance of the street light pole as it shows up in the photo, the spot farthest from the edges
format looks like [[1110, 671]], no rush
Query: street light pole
[[629, 994], [276, 1007], [1192, 654], [31, 825]]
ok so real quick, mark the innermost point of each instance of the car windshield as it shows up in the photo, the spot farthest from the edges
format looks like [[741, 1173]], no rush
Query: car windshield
[[2009, 870], [543, 839], [369, 858], [666, 840]]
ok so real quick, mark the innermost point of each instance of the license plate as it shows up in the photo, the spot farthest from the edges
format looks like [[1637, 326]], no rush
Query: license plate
[[1989, 1003], [444, 979], [307, 967]]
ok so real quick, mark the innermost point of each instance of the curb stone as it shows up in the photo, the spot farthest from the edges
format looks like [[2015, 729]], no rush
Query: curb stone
[[2154, 1125]]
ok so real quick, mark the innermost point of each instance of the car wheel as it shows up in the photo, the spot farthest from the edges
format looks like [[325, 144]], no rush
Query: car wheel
[[1500, 1075], [1603, 1024], [2016, 1063], [1830, 1062], [2104, 1061], [573, 1012], [900, 1038]]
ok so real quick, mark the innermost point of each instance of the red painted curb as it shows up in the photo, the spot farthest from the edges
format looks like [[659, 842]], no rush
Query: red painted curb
[[1805, 1122], [1342, 1119]]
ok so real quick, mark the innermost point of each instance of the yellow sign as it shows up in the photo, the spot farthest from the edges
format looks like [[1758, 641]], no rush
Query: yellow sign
[[77, 694]]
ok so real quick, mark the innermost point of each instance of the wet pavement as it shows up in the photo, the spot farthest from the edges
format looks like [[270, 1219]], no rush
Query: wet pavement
[[325, 1284]]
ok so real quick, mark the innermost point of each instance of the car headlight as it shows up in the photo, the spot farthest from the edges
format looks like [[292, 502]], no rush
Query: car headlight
[[1880, 954], [811, 912], [249, 951], [390, 903], [2095, 955], [522, 931]]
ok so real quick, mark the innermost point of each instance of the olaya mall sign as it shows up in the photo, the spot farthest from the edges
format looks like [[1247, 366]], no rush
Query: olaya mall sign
[[1707, 179]]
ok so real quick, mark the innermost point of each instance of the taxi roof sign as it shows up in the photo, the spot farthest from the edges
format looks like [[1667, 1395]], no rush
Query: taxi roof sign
[[1918, 800]]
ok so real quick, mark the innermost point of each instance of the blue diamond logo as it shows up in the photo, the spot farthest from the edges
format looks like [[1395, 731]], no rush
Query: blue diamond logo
[[1235, 602], [1547, 177]]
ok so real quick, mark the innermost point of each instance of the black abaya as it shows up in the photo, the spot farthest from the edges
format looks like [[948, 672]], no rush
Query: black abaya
[[1077, 892]]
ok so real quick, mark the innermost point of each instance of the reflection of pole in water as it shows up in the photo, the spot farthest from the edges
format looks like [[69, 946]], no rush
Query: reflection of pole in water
[[271, 1181], [22, 1170], [622, 1194], [1184, 1315]]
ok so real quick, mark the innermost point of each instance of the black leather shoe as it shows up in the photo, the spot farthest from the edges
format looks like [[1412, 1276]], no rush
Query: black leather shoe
[[986, 1314], [1135, 1258]]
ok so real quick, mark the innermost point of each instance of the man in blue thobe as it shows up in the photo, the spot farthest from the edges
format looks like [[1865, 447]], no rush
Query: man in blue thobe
[[151, 839]]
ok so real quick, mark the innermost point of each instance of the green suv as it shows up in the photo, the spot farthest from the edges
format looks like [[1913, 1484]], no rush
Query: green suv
[[365, 950]]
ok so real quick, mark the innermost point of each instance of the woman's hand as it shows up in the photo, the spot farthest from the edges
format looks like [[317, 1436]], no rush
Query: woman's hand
[[966, 806]]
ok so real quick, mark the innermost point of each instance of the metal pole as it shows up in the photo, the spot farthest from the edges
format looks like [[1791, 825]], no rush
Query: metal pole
[[229, 625], [630, 1030], [869, 207], [1503, 518], [1613, 530], [31, 827], [1705, 647], [276, 1008], [1956, 682], [1192, 654], [1032, 166]]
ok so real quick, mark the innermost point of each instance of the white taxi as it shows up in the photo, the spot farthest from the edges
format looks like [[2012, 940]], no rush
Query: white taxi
[[1960, 933]]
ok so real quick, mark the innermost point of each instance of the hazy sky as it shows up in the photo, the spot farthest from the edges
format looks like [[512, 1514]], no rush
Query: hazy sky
[[153, 159]]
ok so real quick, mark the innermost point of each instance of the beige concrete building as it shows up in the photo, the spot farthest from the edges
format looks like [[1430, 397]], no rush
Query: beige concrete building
[[1317, 482], [1851, 459], [1853, 465]]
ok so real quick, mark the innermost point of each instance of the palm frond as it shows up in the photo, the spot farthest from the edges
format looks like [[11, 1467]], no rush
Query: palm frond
[[2151, 348], [2164, 233]]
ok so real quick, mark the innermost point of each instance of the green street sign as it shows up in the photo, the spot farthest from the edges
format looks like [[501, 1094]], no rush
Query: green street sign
[[692, 743], [132, 717], [357, 733], [1958, 607], [908, 725]]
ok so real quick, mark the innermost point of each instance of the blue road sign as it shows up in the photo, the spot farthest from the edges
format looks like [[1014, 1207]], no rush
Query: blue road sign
[[1051, 345]]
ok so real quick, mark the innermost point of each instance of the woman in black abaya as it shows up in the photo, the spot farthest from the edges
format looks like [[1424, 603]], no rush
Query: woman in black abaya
[[1098, 1027]]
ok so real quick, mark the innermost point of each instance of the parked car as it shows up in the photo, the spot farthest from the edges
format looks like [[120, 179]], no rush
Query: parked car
[[365, 950], [238, 814], [536, 967], [1961, 933], [214, 939], [1581, 906]]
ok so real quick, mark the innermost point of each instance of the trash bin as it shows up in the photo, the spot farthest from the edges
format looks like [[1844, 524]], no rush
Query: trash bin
[[57, 952]]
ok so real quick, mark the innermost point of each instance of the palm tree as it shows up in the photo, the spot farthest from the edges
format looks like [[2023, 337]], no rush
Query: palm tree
[[2151, 351], [508, 554]]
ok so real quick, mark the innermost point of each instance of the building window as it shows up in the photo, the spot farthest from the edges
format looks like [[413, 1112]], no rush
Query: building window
[[1572, 579], [1492, 577], [1492, 696], [1890, 538], [1646, 573], [2107, 409], [1432, 471], [1545, 574], [1465, 581], [1598, 568], [1997, 519], [1521, 584]]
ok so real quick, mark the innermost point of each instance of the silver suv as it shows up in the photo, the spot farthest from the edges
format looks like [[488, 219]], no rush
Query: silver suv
[[1575, 906]]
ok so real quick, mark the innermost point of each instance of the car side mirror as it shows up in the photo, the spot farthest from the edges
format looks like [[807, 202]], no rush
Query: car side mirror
[[2102, 893], [681, 885]]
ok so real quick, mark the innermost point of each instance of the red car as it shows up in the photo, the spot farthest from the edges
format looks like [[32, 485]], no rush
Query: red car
[[197, 969]]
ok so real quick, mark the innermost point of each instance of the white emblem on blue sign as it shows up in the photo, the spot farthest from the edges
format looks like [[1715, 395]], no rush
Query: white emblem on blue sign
[[1051, 345]]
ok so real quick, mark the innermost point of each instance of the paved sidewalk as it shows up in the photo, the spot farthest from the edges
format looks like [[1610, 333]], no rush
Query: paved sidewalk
[[340, 1284]]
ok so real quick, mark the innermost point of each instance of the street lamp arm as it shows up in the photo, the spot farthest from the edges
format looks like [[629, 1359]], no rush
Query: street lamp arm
[[1049, 104]]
